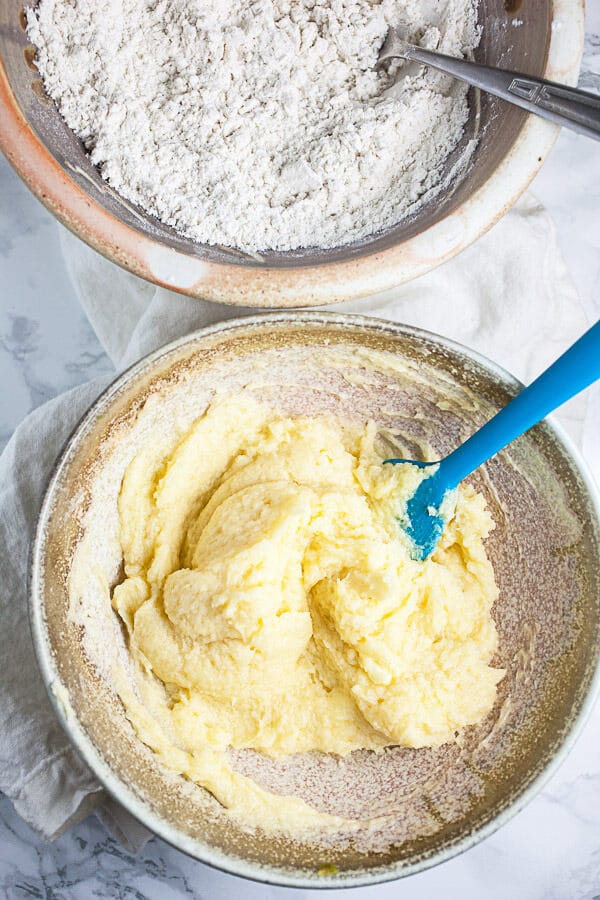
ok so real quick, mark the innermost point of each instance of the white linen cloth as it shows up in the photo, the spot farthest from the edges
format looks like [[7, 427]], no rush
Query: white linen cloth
[[509, 296]]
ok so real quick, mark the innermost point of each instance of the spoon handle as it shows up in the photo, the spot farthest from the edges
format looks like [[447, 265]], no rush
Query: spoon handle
[[575, 109], [575, 370]]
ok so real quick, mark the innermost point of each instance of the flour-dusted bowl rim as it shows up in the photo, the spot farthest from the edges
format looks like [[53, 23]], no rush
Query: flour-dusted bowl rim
[[53, 653], [546, 40]]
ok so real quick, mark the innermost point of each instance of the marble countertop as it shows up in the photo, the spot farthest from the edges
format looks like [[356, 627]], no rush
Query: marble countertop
[[549, 851]]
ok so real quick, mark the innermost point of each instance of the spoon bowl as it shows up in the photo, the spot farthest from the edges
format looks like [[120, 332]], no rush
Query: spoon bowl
[[559, 103]]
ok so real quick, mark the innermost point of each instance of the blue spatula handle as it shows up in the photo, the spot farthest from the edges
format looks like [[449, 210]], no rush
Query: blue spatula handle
[[575, 370]]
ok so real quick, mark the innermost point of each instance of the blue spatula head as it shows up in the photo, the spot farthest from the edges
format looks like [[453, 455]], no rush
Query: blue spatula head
[[430, 506], [424, 520]]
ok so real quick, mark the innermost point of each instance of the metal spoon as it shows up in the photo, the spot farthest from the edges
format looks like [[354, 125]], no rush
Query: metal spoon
[[575, 109], [575, 370]]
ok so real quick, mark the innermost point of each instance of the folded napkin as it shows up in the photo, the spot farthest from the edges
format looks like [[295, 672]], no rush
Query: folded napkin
[[509, 296]]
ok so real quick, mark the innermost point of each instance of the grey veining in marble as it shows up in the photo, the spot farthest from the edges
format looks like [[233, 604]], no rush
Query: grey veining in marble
[[550, 851], [46, 344]]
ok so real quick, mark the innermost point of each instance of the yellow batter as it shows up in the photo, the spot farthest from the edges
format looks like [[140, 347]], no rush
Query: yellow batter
[[271, 602]]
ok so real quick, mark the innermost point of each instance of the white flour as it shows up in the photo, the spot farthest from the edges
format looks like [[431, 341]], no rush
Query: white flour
[[256, 123]]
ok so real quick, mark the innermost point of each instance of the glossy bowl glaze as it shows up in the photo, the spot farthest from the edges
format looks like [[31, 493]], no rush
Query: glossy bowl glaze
[[544, 37], [428, 805]]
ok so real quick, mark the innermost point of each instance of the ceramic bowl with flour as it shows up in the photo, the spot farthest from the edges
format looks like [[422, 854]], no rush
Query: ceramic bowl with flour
[[257, 156], [402, 809]]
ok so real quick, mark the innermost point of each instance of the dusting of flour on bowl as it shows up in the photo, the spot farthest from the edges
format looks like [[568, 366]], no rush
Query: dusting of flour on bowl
[[258, 124]]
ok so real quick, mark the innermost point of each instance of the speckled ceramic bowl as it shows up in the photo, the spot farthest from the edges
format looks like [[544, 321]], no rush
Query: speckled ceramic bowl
[[544, 37], [428, 804]]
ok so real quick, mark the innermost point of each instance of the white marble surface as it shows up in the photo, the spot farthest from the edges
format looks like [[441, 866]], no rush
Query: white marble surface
[[550, 851]]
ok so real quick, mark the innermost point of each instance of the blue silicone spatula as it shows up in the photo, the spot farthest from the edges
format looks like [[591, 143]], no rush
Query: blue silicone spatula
[[575, 370]]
